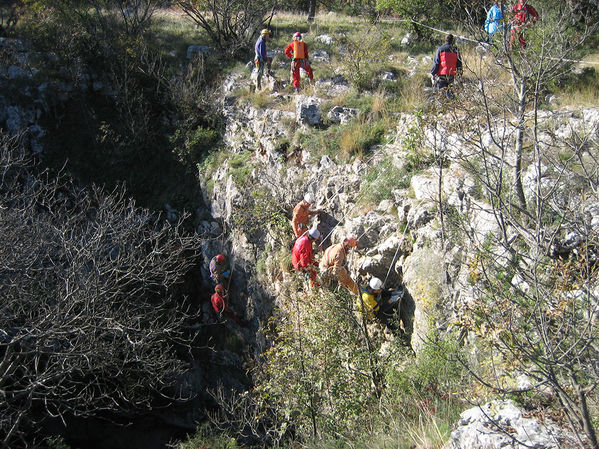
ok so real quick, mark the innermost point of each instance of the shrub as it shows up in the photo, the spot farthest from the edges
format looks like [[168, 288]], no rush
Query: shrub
[[191, 145], [357, 138], [380, 181]]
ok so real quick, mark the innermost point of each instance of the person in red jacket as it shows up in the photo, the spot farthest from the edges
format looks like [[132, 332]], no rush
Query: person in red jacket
[[523, 14], [302, 255], [447, 63], [218, 304], [298, 51]]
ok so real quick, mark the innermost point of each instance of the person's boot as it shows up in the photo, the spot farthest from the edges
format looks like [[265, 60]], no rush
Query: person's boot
[[297, 90]]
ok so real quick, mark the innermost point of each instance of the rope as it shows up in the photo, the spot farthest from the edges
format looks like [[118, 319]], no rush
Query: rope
[[366, 164]]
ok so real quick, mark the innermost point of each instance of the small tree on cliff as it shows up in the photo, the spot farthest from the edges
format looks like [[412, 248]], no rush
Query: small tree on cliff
[[534, 274], [89, 322]]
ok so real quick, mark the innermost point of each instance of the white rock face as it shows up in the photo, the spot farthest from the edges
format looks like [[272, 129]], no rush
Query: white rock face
[[500, 424]]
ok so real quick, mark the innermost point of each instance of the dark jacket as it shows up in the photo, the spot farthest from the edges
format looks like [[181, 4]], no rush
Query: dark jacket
[[447, 61], [261, 49]]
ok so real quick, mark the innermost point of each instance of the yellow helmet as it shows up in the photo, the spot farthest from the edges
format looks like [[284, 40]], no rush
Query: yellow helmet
[[264, 32]]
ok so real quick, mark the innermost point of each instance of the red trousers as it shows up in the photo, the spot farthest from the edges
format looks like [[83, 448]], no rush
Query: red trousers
[[295, 70], [521, 40]]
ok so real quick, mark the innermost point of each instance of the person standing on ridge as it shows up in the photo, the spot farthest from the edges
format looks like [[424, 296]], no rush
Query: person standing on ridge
[[523, 15], [302, 254], [333, 260], [494, 18], [447, 63], [301, 214], [261, 59], [298, 51]]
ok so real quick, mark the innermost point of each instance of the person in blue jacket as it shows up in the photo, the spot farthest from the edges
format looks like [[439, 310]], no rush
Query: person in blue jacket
[[261, 59], [494, 17]]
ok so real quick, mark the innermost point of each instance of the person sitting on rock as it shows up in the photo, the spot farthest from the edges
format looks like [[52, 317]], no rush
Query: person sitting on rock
[[302, 254], [301, 214], [220, 306], [298, 51], [333, 260], [220, 270], [261, 59]]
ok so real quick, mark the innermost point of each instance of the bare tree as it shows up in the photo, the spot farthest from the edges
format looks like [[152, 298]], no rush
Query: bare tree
[[89, 320], [229, 23], [534, 275]]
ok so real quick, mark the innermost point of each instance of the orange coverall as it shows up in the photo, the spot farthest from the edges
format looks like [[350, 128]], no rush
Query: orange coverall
[[332, 260], [298, 51], [301, 212]]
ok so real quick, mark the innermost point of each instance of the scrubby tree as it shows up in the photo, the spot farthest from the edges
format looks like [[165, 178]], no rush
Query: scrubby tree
[[229, 23], [91, 323], [533, 275]]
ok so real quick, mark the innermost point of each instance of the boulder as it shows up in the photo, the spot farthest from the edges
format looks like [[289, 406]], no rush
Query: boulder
[[307, 110], [324, 39], [197, 50], [340, 114], [500, 424], [407, 39], [320, 55]]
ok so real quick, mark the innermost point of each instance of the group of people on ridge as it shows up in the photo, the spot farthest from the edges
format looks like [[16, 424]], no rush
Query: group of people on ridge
[[297, 51], [523, 14], [447, 62]]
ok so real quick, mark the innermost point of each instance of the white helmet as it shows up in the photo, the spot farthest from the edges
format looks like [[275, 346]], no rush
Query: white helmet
[[308, 198], [314, 233], [376, 284]]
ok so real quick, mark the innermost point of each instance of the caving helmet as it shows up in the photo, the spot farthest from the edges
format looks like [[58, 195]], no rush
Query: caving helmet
[[298, 36], [219, 288], [314, 233], [308, 198], [220, 258], [350, 241], [376, 284]]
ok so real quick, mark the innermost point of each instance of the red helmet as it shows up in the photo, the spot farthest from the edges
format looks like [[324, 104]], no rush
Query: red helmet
[[298, 34], [219, 288], [220, 258], [350, 241]]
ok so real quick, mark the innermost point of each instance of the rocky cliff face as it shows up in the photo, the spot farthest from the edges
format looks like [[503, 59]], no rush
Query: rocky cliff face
[[400, 239]]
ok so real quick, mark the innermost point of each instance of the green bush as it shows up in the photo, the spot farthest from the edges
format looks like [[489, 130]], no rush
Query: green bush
[[206, 437], [190, 146], [380, 181]]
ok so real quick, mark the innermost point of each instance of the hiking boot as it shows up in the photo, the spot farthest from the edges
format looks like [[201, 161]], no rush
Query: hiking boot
[[297, 90]]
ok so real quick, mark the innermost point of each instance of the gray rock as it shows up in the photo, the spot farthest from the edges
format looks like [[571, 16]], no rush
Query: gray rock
[[389, 76], [340, 114], [197, 50], [320, 55], [307, 110], [500, 424], [324, 39], [407, 39]]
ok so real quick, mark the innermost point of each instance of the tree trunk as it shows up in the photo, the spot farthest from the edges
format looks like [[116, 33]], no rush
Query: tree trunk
[[519, 144], [311, 10]]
